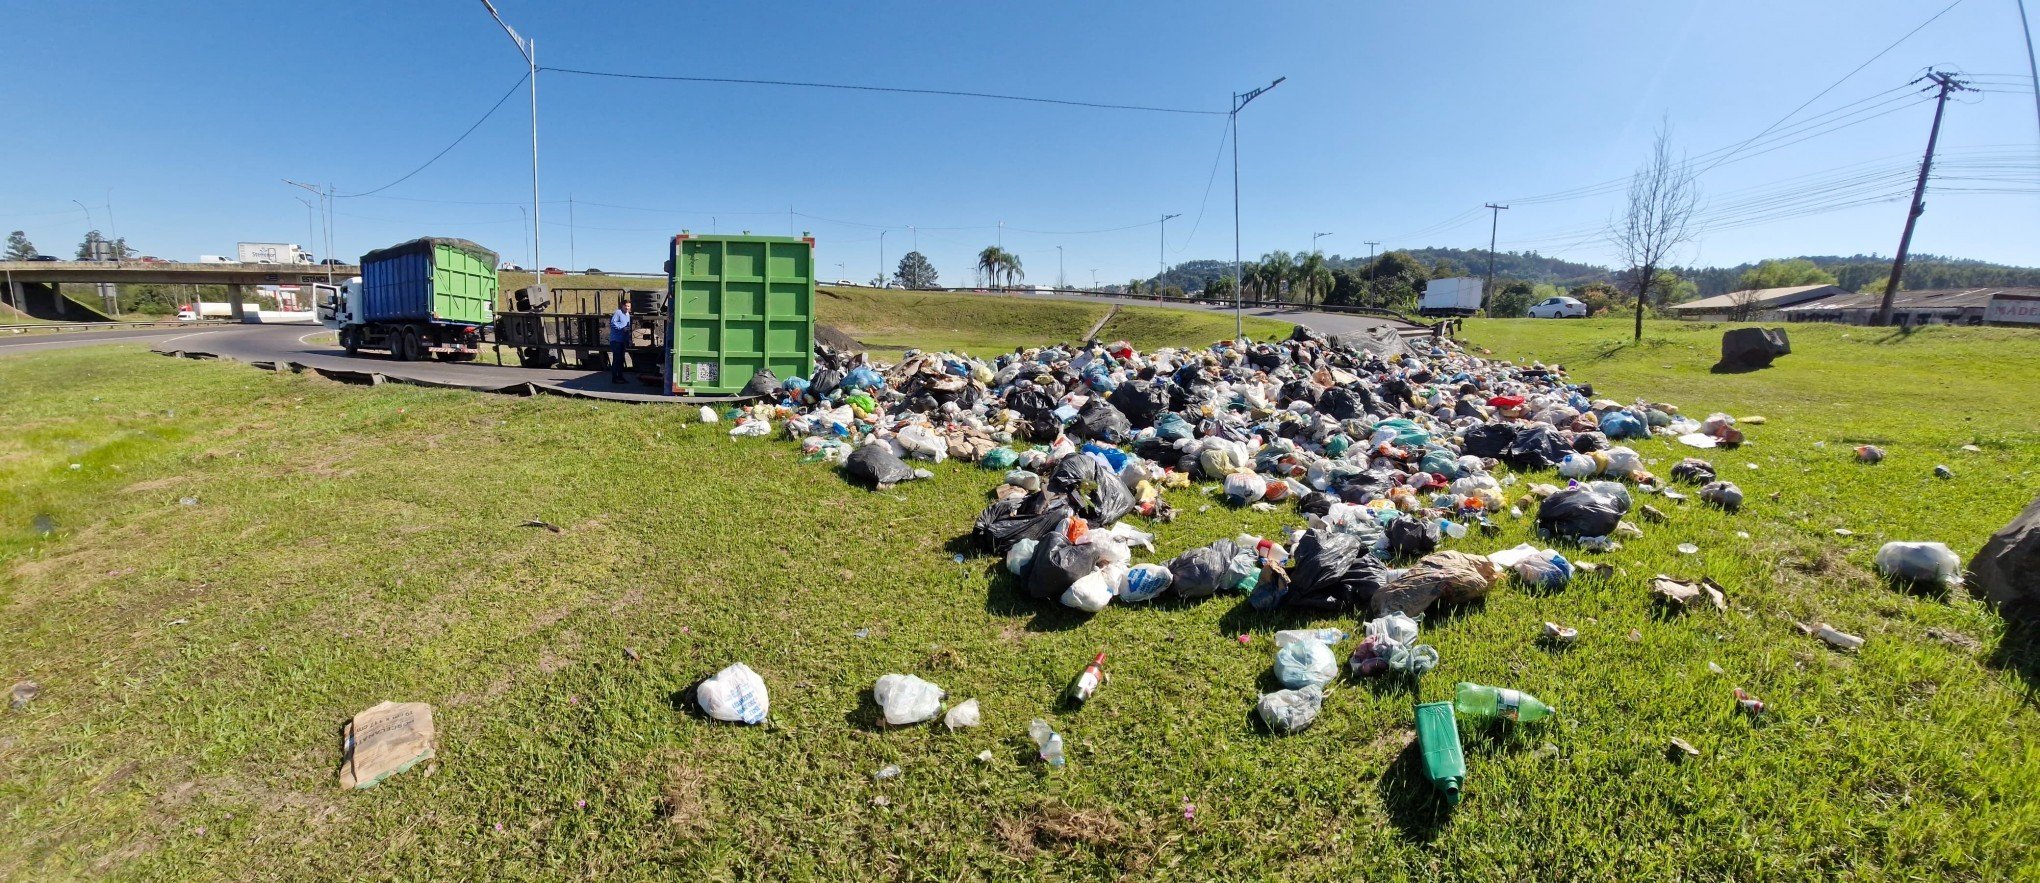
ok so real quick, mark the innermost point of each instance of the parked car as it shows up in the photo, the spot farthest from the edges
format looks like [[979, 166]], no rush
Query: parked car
[[591, 271], [45, 257], [332, 262], [1558, 308], [555, 271], [513, 268]]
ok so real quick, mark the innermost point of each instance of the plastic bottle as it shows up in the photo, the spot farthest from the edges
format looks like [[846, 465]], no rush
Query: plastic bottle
[[1477, 701], [1086, 683], [1438, 738], [1048, 741]]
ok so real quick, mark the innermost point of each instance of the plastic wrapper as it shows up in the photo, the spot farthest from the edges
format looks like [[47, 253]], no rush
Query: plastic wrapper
[[1920, 562], [1290, 711], [906, 699], [736, 694], [1305, 663]]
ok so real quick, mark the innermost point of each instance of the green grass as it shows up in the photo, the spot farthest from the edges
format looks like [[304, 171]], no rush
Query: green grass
[[348, 545], [892, 321]]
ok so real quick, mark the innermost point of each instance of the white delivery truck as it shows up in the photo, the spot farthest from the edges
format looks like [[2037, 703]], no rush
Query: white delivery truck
[[205, 310], [271, 253], [1450, 297]]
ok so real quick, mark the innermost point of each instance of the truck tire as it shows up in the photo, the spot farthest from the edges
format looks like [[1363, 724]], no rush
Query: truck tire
[[350, 340], [416, 340], [400, 343]]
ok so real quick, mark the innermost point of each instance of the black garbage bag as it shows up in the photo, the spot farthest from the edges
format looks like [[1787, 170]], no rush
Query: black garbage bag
[[1332, 573], [763, 383], [1041, 431], [824, 382], [1579, 512], [1057, 564], [1156, 448], [1589, 442], [1411, 537], [1695, 470], [1535, 447], [1316, 503], [1304, 333], [1301, 390], [1396, 393], [1266, 358], [1095, 492], [1099, 421], [1141, 401], [1034, 405], [1198, 573], [1341, 403], [1489, 439], [876, 465], [1031, 517]]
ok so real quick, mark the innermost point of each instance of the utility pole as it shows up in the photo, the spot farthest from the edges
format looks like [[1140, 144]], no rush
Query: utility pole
[[1059, 267], [1162, 265], [529, 49], [1239, 102], [1314, 237], [1494, 225], [573, 262], [1947, 84], [1371, 243], [326, 204], [881, 257], [1094, 278]]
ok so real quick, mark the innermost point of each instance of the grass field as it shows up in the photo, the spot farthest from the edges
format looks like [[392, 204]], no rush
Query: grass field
[[894, 321], [345, 545]]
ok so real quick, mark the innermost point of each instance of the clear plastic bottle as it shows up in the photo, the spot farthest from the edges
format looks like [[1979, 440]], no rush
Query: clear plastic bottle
[[1047, 740], [1477, 701]]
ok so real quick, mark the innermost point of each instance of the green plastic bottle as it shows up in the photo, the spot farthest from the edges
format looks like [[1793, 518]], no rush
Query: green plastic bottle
[[1438, 738], [1476, 701]]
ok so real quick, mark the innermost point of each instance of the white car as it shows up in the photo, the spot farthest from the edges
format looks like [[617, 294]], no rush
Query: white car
[[1558, 308]]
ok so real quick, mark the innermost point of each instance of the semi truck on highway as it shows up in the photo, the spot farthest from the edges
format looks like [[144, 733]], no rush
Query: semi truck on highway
[[271, 253], [427, 298], [204, 310]]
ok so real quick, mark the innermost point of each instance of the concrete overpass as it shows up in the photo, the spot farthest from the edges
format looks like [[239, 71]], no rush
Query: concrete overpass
[[32, 284]]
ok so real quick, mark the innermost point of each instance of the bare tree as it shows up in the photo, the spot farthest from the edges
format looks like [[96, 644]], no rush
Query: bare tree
[[1743, 304], [1662, 196]]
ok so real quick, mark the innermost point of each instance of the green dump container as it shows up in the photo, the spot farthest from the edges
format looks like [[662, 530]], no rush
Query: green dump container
[[740, 303], [1438, 739]]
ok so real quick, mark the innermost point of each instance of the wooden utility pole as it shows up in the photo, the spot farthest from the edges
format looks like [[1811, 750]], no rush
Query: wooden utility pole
[[1493, 225], [1946, 84]]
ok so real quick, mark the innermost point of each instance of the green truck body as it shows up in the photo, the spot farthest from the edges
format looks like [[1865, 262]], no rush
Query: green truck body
[[739, 304]]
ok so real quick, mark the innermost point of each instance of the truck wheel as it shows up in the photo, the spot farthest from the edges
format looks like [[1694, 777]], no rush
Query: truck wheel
[[416, 341], [350, 340], [400, 343]]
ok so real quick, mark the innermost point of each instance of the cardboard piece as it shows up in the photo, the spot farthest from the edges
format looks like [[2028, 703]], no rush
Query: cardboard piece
[[386, 740]]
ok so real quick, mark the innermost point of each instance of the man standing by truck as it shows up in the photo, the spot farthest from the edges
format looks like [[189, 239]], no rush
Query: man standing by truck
[[619, 339]]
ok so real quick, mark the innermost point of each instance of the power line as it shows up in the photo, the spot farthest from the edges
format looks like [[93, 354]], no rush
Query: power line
[[1216, 160], [456, 142], [954, 93]]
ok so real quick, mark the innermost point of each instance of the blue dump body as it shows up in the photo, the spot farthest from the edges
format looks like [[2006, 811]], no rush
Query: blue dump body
[[429, 280]]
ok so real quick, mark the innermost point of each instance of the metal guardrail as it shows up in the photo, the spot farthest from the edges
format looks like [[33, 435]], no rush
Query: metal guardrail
[[104, 326]]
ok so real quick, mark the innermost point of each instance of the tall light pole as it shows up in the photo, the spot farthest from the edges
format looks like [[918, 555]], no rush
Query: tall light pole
[[1239, 102], [1058, 266], [311, 226], [529, 49], [1314, 237], [326, 202], [917, 236], [1162, 256], [881, 257], [1094, 278], [88, 219]]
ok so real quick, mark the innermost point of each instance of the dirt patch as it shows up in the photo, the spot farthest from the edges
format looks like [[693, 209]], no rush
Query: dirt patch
[[1057, 827], [836, 339], [683, 799], [1013, 632], [631, 598], [549, 662], [154, 484], [945, 659]]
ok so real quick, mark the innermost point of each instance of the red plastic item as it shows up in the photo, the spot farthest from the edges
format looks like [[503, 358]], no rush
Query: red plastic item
[[1505, 402]]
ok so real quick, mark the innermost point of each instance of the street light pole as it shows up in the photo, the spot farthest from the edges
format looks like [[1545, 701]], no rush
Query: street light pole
[[529, 49], [881, 257], [1239, 102], [1314, 237], [1059, 267], [1162, 261], [1094, 278], [326, 202], [88, 222]]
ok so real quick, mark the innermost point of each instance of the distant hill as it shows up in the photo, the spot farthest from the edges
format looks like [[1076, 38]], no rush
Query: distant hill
[[1922, 272]]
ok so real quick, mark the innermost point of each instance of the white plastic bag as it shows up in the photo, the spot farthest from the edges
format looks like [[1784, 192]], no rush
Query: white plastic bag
[[965, 714], [1578, 466], [1287, 711], [1020, 556], [1132, 536], [736, 694], [906, 699], [1090, 593], [751, 429], [922, 442], [1245, 486], [1920, 562], [1305, 663], [1395, 628], [1329, 636], [1622, 461], [708, 415], [1509, 558], [1145, 581]]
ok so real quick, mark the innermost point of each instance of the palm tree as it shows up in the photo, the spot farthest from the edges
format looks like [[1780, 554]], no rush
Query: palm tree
[[1277, 267], [1250, 279], [989, 263], [1313, 276], [1009, 263]]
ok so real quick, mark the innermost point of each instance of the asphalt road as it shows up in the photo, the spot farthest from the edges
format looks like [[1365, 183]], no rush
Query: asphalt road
[[1323, 323], [286, 345], [55, 340]]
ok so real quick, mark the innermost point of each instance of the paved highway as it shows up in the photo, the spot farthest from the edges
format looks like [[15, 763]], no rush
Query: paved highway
[[272, 345]]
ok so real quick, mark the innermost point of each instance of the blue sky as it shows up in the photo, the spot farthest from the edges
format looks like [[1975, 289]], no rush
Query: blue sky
[[1398, 120]]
